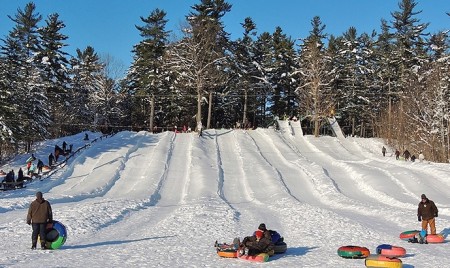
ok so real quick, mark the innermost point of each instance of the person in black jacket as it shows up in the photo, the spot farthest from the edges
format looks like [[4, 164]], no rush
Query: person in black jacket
[[40, 165], [426, 213], [257, 244], [51, 159], [39, 214]]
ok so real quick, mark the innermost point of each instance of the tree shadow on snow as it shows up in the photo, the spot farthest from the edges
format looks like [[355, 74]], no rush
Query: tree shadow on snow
[[114, 242], [293, 252]]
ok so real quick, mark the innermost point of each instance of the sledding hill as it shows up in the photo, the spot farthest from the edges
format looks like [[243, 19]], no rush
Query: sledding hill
[[138, 199]]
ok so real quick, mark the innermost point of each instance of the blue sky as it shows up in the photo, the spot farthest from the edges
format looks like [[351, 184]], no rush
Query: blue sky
[[109, 25]]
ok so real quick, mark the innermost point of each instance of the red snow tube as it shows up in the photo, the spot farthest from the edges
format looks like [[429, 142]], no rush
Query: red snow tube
[[408, 234], [391, 251], [435, 238], [263, 257], [353, 252]]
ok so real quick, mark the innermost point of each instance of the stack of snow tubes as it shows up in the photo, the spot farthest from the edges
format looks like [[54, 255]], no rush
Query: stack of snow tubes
[[387, 256]]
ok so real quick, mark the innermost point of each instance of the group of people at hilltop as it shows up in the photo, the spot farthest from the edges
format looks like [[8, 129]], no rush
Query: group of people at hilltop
[[406, 155]]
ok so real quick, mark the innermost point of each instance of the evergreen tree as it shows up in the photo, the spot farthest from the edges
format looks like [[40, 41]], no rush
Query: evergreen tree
[[387, 71], [284, 100], [206, 43], [409, 53], [87, 76], [20, 50], [148, 77], [430, 110], [7, 110], [315, 90], [245, 71], [54, 70]]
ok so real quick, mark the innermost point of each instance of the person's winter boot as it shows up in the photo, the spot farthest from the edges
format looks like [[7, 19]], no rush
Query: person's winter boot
[[33, 244], [236, 243], [43, 246]]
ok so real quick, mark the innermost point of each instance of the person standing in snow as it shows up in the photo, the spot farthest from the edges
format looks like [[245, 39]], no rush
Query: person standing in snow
[[406, 155], [51, 159], [397, 154], [383, 150], [421, 157], [39, 214], [40, 165], [200, 129], [64, 146], [426, 213]]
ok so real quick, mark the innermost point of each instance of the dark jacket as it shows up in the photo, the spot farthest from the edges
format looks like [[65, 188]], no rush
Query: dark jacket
[[427, 210], [40, 211], [264, 245]]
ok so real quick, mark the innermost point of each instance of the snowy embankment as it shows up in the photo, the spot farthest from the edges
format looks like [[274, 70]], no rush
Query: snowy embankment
[[138, 199]]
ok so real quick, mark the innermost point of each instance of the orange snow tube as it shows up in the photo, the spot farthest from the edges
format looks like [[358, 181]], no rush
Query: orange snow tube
[[228, 254], [375, 261], [435, 238]]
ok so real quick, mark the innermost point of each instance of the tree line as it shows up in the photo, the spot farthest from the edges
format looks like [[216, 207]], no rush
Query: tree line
[[392, 83]]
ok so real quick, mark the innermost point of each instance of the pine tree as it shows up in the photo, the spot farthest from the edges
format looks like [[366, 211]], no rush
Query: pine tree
[[410, 56], [54, 70], [315, 90], [147, 76], [245, 71], [284, 99], [86, 72], [20, 50], [200, 56]]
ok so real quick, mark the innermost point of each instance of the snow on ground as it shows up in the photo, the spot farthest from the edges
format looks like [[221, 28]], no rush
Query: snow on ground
[[162, 200]]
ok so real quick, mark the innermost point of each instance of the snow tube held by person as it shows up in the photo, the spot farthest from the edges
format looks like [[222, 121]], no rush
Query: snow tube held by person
[[391, 251], [262, 257], [56, 235], [408, 235], [353, 252], [435, 238], [375, 261], [30, 159]]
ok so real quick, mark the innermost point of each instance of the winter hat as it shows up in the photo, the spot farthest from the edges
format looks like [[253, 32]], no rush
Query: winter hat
[[259, 233], [262, 226], [423, 196]]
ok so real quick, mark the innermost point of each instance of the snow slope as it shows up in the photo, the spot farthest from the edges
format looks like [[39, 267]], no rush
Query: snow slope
[[162, 200]]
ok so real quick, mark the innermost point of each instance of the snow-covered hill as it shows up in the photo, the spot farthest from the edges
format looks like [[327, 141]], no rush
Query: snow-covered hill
[[162, 200]]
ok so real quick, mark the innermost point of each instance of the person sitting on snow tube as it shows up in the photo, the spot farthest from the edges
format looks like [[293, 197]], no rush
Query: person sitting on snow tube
[[266, 232], [257, 244]]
